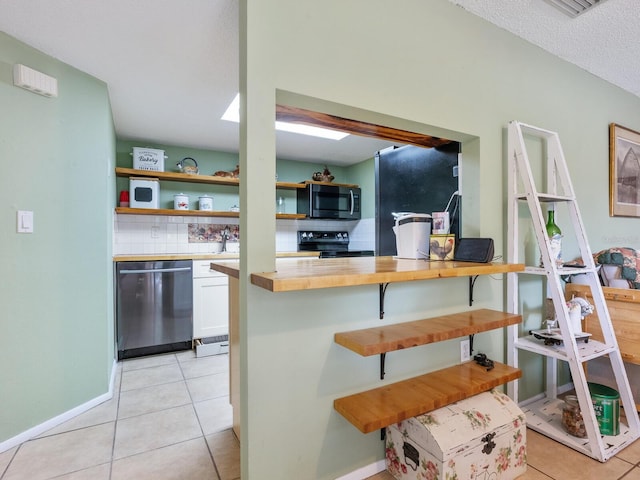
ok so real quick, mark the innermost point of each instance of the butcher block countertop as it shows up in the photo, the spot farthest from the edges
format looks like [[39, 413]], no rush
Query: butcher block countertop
[[305, 274]]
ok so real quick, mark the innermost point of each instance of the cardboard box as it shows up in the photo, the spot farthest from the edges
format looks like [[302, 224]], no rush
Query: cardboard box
[[480, 438]]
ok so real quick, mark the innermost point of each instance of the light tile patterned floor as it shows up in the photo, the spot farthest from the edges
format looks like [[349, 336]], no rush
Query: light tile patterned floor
[[170, 418]]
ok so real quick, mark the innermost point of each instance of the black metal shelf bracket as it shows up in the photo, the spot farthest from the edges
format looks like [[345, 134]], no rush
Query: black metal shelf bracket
[[383, 356], [472, 282], [383, 290], [383, 431]]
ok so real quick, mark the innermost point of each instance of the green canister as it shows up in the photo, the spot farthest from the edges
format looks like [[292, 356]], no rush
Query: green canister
[[606, 404]]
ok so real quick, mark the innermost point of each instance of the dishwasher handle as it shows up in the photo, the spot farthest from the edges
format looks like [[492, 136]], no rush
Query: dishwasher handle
[[156, 270]]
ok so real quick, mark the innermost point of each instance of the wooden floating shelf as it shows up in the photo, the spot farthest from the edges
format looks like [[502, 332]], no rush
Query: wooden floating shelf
[[197, 213], [172, 212], [308, 182], [388, 338], [177, 177], [289, 186], [290, 216], [208, 179], [378, 408]]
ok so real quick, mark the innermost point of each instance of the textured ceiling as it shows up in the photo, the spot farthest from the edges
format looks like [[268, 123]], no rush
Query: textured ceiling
[[604, 40], [172, 67], [170, 74]]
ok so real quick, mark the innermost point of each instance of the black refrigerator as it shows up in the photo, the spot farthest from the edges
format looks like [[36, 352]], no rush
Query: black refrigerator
[[417, 180]]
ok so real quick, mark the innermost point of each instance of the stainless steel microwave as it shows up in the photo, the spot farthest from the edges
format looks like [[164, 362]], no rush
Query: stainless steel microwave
[[329, 201]]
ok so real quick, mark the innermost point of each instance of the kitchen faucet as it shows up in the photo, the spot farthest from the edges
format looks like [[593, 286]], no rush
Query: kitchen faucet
[[225, 237]]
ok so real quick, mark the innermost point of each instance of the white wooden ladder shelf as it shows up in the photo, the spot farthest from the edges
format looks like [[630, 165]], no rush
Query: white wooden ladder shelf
[[544, 412]]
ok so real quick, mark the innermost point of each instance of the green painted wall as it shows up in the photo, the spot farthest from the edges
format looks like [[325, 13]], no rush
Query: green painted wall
[[57, 154], [364, 175], [468, 88]]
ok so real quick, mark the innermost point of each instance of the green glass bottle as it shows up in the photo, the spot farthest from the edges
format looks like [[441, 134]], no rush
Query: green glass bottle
[[555, 238], [552, 228]]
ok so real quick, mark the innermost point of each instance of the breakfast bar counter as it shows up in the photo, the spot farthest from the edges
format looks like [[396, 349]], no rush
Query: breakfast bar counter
[[305, 274], [300, 274]]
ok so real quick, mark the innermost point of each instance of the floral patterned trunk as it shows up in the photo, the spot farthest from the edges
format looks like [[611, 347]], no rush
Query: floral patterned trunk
[[480, 438]]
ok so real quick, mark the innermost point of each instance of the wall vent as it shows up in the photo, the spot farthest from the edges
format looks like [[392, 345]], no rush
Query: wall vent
[[573, 8], [34, 81]]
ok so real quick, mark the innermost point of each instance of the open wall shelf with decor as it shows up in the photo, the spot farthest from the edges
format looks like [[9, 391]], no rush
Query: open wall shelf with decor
[[200, 179]]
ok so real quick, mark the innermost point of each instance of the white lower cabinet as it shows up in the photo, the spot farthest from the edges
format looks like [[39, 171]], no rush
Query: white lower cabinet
[[210, 303]]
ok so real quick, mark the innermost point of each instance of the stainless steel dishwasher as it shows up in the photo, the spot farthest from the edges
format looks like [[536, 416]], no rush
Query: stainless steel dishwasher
[[154, 307]]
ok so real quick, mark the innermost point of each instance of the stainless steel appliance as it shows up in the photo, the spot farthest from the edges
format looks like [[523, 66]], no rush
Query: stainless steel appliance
[[154, 306], [329, 201], [329, 244]]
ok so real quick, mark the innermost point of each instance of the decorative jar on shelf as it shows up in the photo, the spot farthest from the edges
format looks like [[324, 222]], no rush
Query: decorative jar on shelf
[[572, 420], [181, 202], [205, 203]]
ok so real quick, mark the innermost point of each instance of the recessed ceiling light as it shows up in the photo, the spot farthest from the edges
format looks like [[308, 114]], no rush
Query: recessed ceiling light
[[573, 8], [232, 114]]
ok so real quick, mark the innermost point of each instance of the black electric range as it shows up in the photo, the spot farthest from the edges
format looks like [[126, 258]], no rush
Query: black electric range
[[329, 244]]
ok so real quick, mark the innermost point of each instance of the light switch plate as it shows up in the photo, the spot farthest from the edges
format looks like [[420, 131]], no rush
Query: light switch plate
[[25, 221]]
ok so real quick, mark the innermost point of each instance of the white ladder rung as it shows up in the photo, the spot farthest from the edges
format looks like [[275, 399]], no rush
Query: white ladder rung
[[531, 130], [566, 269], [546, 197]]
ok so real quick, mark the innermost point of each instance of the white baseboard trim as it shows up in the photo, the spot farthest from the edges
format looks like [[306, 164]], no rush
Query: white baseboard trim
[[63, 417], [561, 389], [366, 471], [566, 387]]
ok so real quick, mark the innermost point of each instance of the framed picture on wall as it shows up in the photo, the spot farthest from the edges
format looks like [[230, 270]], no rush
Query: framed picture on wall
[[624, 172]]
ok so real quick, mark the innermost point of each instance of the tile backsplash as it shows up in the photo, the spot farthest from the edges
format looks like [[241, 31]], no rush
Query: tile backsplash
[[212, 232], [156, 234]]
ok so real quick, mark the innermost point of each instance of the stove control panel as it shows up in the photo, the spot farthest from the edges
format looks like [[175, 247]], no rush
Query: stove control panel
[[309, 236], [320, 240]]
